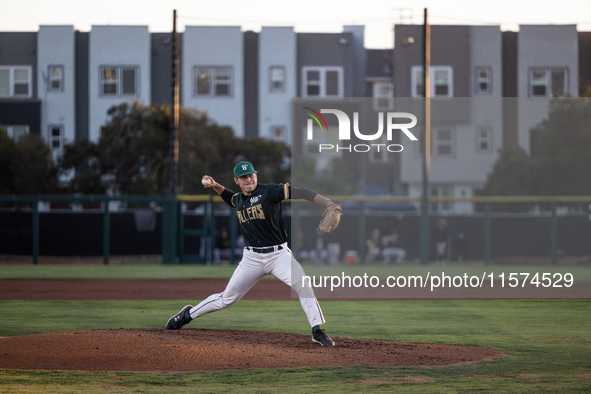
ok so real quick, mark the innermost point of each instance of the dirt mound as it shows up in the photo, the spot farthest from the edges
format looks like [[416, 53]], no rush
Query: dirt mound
[[159, 350]]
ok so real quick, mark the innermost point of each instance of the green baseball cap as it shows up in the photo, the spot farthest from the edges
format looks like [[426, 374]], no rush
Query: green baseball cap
[[244, 168]]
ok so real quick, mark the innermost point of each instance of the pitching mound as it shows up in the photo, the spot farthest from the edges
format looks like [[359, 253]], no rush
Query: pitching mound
[[159, 350]]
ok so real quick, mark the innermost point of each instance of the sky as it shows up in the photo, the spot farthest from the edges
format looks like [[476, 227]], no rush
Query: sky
[[378, 16]]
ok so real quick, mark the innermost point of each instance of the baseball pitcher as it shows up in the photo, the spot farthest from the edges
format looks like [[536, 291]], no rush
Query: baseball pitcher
[[265, 252]]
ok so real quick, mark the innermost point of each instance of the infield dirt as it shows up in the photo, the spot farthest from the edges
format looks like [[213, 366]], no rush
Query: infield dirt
[[191, 349]]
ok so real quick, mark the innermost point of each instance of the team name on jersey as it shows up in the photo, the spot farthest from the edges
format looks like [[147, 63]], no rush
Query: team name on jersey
[[254, 212]]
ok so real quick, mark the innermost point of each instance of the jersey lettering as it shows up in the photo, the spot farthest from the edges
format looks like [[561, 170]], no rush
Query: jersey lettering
[[251, 213]]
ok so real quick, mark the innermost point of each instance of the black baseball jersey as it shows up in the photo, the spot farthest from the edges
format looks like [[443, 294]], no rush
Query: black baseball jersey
[[260, 214]]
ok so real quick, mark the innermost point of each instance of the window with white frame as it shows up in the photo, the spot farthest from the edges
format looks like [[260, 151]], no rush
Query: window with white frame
[[119, 81], [55, 137], [16, 81], [443, 142], [380, 156], [16, 132], [278, 132], [440, 206], [483, 82], [277, 78], [213, 81], [383, 93], [483, 139], [548, 82], [322, 82], [441, 81], [55, 78]]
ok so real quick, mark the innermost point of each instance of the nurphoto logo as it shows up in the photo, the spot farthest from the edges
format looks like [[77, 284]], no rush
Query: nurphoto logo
[[344, 131]]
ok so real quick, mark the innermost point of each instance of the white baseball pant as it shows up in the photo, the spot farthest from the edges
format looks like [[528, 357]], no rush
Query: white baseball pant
[[253, 267]]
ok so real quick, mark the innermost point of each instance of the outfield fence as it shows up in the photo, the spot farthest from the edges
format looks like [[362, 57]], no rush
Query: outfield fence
[[183, 229]]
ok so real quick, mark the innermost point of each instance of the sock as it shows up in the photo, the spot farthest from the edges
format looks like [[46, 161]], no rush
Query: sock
[[316, 328], [188, 315]]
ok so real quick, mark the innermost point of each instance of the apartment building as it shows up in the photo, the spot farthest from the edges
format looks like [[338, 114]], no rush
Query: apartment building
[[489, 88]]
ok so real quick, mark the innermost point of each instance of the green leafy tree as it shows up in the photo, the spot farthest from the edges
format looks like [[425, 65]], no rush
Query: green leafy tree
[[560, 159], [26, 166], [336, 179], [561, 150], [132, 155]]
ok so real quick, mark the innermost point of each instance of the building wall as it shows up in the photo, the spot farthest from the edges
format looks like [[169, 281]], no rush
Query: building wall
[[327, 50], [277, 48], [56, 47], [214, 46], [486, 49], [161, 68], [107, 48], [19, 49], [82, 85], [543, 47]]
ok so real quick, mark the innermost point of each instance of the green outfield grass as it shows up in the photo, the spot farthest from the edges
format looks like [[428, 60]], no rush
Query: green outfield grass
[[547, 342], [152, 269]]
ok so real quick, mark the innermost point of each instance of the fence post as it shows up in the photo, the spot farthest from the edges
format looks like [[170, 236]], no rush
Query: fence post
[[295, 228], [106, 231], [169, 230], [486, 233], [35, 230], [361, 232], [233, 233], [211, 226], [553, 234]]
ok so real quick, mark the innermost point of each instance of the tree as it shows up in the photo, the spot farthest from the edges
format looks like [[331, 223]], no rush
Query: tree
[[561, 150], [335, 179], [26, 165], [132, 155], [560, 159]]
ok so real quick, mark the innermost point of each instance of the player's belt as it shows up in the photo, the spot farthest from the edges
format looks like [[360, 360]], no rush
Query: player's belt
[[265, 250]]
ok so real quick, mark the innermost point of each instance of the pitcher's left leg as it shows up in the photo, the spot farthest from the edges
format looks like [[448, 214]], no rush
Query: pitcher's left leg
[[287, 269]]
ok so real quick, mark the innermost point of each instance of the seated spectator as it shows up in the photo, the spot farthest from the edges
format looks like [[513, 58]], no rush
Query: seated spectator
[[392, 248], [372, 246], [222, 247], [319, 254]]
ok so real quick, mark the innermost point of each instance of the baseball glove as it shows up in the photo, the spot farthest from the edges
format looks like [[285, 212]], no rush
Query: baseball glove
[[331, 218]]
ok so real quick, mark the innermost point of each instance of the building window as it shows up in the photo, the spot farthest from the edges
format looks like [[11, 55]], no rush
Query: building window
[[55, 137], [483, 139], [440, 206], [213, 81], [15, 81], [16, 132], [322, 82], [549, 82], [380, 156], [383, 93], [119, 81], [55, 78], [443, 142], [277, 79], [278, 132], [483, 80], [441, 81]]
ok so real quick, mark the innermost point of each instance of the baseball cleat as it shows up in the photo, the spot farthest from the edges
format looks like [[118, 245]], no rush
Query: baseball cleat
[[178, 320], [320, 337]]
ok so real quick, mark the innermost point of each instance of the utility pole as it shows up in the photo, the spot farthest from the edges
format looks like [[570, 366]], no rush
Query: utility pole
[[174, 110], [424, 236]]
